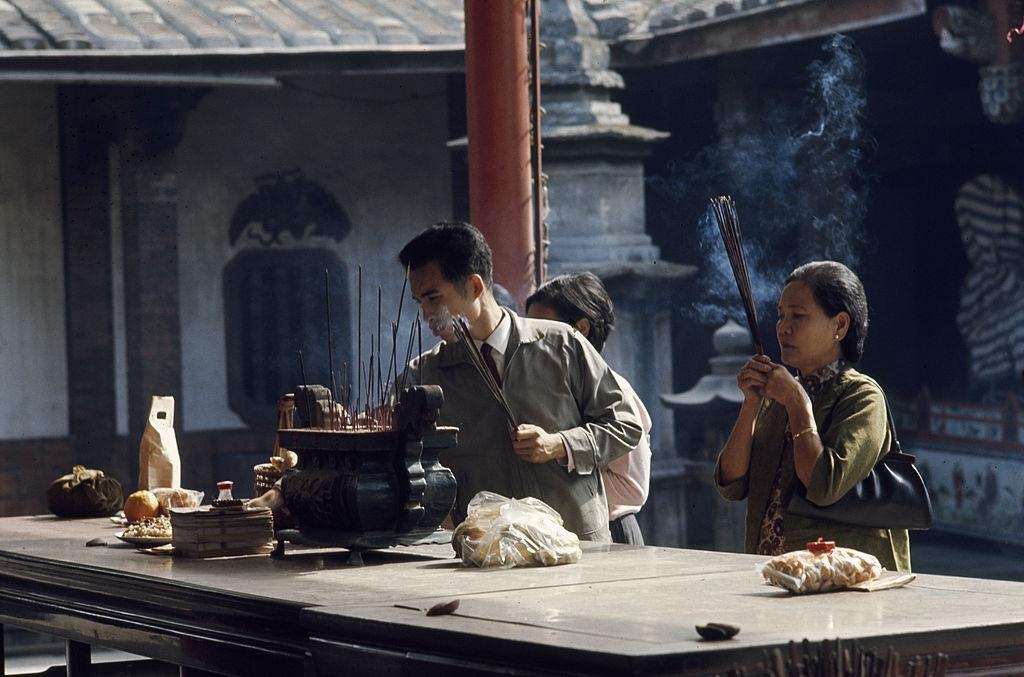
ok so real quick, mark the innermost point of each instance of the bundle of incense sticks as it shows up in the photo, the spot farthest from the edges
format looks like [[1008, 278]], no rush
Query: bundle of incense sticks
[[477, 358], [729, 226], [841, 659], [375, 411]]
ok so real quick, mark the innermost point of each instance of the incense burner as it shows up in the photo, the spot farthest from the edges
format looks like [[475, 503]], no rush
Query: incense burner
[[352, 484]]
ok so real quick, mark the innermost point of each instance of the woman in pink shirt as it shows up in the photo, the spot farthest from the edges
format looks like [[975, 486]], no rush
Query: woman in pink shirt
[[581, 300]]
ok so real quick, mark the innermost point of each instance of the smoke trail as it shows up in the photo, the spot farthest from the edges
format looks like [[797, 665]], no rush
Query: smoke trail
[[721, 299], [837, 207], [796, 177]]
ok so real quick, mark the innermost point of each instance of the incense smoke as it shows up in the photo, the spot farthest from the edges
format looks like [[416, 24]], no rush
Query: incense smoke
[[794, 172]]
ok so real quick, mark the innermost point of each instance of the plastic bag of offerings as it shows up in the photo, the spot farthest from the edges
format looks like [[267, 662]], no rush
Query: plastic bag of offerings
[[509, 532], [820, 568]]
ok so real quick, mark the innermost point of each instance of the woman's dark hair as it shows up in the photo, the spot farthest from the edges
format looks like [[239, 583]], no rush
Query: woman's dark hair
[[459, 249], [579, 296], [836, 289]]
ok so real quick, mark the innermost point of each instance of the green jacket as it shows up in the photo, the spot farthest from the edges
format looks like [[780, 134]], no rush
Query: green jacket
[[552, 378], [851, 419]]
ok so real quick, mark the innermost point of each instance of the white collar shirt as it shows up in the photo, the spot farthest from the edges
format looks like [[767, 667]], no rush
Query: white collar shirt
[[498, 341]]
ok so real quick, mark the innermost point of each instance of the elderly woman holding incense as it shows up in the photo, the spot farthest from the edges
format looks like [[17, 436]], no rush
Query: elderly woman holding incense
[[822, 430]]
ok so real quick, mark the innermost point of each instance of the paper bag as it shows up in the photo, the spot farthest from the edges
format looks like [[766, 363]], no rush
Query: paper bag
[[159, 464]]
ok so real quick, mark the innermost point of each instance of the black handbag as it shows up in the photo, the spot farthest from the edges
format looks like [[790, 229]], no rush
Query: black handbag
[[892, 496]]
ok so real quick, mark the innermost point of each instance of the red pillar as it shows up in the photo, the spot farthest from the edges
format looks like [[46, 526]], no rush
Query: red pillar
[[498, 126]]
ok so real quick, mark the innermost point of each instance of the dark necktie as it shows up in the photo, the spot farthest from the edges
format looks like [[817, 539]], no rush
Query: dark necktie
[[486, 350]]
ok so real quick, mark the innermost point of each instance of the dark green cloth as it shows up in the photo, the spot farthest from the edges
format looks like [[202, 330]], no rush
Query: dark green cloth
[[850, 415], [84, 493]]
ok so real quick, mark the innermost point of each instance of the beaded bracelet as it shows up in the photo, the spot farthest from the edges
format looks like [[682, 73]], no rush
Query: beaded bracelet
[[812, 429]]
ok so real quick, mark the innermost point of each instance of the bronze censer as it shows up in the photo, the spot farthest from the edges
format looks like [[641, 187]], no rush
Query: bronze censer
[[370, 484]]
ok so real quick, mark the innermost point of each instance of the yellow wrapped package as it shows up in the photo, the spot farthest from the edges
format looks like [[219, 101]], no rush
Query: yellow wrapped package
[[820, 568], [509, 532]]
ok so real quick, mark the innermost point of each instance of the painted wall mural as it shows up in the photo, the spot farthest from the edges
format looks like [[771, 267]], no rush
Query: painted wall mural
[[976, 494], [990, 214], [972, 460], [287, 208], [285, 234]]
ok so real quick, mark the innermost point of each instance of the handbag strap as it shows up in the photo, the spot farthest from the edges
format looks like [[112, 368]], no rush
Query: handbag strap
[[896, 452]]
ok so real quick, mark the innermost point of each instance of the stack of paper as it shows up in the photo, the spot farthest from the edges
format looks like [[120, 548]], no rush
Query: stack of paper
[[206, 532]]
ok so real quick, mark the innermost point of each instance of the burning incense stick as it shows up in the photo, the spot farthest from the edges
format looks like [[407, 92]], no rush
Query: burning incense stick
[[729, 226], [342, 398], [359, 341], [380, 355], [408, 354], [330, 342], [462, 332], [393, 366], [369, 384], [305, 387]]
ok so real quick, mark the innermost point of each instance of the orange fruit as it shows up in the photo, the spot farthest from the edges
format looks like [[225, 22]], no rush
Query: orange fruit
[[141, 505]]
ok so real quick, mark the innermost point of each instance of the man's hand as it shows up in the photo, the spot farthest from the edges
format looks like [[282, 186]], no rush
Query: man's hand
[[273, 499], [532, 444]]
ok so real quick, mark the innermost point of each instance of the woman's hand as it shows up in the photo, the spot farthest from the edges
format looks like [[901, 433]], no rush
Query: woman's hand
[[753, 378], [782, 386], [734, 459]]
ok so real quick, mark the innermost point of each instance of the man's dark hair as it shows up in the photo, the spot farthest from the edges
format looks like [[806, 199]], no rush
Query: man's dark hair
[[836, 288], [579, 296], [459, 249]]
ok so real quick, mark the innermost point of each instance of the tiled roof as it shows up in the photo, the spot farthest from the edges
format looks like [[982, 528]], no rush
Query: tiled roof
[[223, 24], [673, 15], [176, 27], [672, 31], [629, 19]]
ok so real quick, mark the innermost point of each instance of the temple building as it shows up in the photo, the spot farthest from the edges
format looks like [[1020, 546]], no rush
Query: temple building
[[177, 175]]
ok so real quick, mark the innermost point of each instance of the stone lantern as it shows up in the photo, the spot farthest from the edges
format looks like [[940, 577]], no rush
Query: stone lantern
[[704, 416]]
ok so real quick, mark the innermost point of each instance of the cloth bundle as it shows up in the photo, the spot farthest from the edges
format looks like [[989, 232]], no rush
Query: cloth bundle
[[84, 493]]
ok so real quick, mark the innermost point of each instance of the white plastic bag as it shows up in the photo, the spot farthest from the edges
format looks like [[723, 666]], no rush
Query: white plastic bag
[[177, 498], [509, 532], [159, 463], [803, 571]]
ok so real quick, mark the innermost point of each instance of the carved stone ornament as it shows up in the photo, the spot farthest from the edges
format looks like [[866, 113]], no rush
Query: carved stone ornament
[[965, 32], [1002, 92]]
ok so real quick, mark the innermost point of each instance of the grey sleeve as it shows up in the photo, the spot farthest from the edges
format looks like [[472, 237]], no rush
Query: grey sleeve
[[611, 423]]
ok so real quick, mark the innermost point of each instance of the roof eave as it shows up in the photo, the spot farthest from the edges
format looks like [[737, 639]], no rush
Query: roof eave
[[231, 66], [775, 24]]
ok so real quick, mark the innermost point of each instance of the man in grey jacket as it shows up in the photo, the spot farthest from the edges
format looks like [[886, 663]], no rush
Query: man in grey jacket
[[572, 415]]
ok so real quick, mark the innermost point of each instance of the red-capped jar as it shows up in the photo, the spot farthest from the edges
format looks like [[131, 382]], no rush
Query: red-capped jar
[[224, 489]]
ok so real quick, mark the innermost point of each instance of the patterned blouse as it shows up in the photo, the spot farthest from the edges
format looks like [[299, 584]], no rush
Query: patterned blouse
[[771, 539]]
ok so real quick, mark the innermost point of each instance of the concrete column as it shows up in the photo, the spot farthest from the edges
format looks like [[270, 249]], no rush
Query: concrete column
[[86, 128], [594, 158], [153, 123]]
